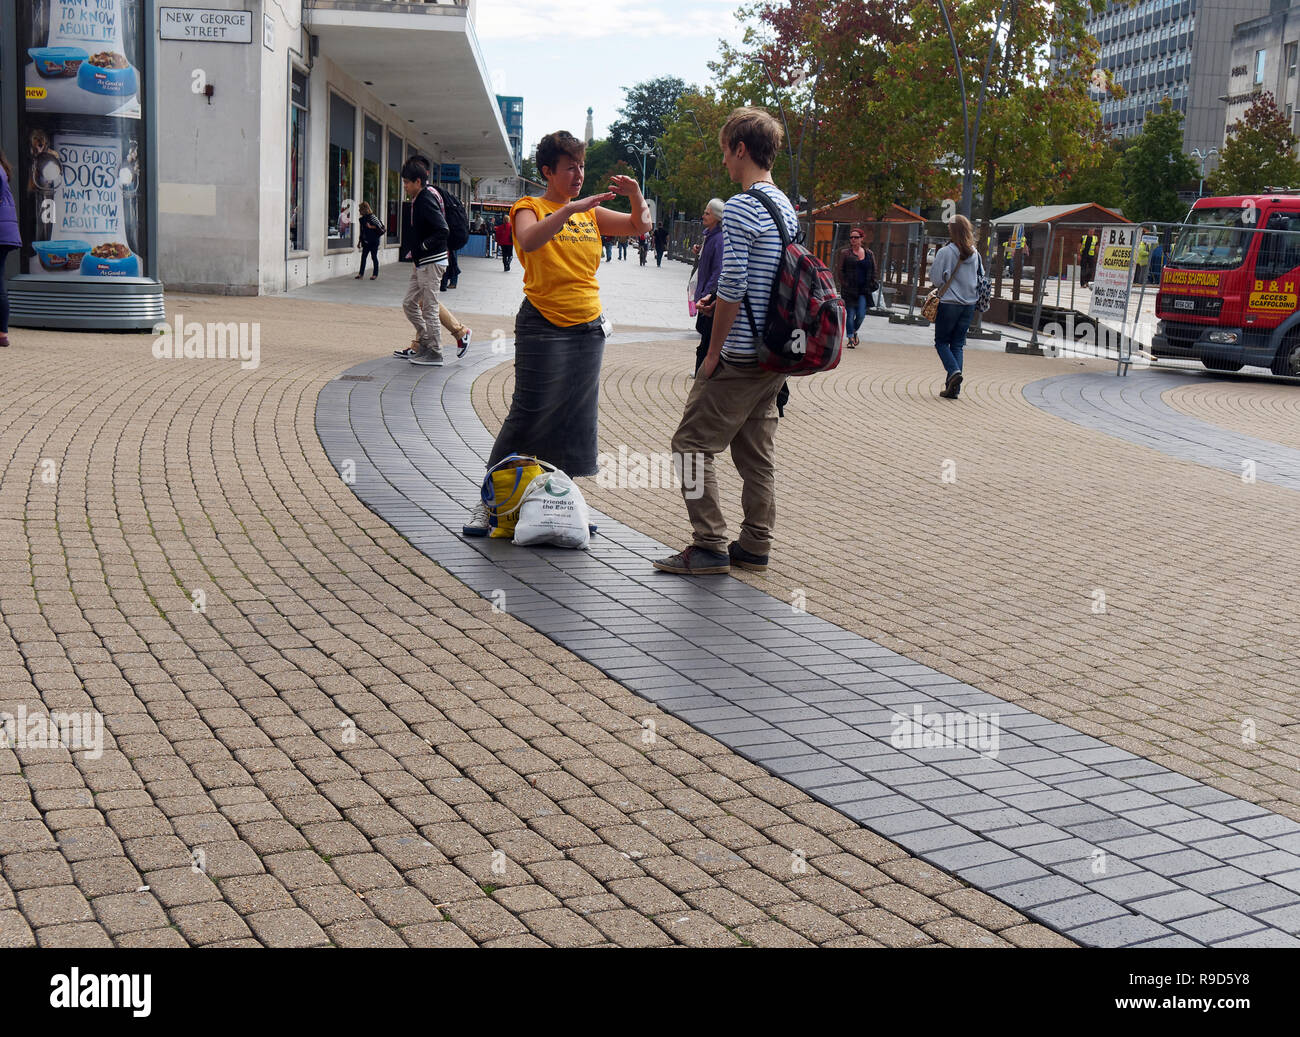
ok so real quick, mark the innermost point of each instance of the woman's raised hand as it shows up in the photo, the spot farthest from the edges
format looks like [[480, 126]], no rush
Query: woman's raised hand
[[590, 202], [624, 185]]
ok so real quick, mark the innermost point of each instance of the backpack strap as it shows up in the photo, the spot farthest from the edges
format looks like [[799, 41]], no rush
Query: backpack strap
[[775, 213]]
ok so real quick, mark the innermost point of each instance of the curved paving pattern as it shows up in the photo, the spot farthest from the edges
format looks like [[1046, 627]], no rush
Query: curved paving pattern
[[1132, 409], [1094, 841]]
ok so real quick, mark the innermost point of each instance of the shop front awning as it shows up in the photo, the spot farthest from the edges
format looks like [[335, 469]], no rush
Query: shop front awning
[[424, 61]]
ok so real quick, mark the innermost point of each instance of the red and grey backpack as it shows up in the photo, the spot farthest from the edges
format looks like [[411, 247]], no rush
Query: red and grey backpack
[[806, 319]]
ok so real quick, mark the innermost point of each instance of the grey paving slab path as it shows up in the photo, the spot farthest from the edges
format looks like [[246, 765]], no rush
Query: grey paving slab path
[[1093, 841], [1131, 408]]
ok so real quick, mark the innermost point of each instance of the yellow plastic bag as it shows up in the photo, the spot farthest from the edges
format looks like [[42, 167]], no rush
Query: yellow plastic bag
[[503, 491]]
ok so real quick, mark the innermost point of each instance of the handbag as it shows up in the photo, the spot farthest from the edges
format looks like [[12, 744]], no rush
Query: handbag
[[503, 491], [930, 308], [983, 290], [553, 511]]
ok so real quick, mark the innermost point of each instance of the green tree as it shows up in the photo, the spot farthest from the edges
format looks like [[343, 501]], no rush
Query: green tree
[[1101, 182], [1260, 152], [602, 163], [1155, 168], [647, 107], [692, 170], [1039, 121]]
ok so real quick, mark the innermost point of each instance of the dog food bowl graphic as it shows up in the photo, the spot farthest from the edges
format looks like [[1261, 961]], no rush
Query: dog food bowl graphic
[[57, 62], [57, 256], [111, 260], [107, 73]]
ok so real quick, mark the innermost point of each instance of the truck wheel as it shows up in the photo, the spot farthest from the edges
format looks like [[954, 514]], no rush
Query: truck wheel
[[1287, 361]]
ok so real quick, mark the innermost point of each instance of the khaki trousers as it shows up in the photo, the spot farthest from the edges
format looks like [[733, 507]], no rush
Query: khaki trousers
[[735, 408], [421, 305]]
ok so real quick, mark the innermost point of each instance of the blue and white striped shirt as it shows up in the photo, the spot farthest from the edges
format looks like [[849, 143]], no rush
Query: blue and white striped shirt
[[751, 254]]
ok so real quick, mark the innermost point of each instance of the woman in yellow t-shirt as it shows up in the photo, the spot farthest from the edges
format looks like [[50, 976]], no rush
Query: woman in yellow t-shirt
[[560, 329]]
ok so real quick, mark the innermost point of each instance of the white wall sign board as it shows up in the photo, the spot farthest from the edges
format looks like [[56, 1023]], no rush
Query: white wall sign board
[[204, 25]]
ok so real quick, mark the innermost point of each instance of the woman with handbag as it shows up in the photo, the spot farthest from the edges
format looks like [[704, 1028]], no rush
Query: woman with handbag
[[957, 269], [707, 274], [855, 280]]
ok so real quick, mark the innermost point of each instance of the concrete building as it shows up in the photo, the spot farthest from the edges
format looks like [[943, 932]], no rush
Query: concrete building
[[1263, 60], [258, 180], [512, 114], [1173, 48]]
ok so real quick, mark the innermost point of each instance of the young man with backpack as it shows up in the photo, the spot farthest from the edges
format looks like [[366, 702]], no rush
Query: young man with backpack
[[428, 254], [732, 402]]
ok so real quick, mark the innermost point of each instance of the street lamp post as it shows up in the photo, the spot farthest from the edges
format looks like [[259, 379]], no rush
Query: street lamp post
[[1202, 156], [698, 127], [643, 150], [794, 169], [969, 138]]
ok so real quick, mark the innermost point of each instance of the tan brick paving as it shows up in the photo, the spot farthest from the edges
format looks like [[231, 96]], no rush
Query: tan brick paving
[[991, 578], [344, 745]]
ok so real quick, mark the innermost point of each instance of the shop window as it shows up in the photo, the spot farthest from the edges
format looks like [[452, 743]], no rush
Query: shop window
[[298, 101], [393, 215], [340, 209], [372, 155]]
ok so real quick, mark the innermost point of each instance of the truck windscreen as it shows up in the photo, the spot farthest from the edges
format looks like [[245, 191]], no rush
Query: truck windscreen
[[1212, 239]]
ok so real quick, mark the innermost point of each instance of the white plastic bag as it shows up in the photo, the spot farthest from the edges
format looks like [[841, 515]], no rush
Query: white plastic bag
[[553, 512]]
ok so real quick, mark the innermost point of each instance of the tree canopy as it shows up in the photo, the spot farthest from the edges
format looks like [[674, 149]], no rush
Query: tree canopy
[[646, 110], [1260, 152], [1154, 168]]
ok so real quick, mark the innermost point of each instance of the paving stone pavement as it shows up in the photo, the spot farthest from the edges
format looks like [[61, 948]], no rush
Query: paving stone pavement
[[1133, 408], [1095, 841], [1136, 597], [315, 735]]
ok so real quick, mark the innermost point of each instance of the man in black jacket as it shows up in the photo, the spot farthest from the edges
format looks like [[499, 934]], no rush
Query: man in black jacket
[[427, 235]]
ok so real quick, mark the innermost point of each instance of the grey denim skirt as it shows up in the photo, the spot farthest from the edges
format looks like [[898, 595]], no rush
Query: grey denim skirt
[[557, 393]]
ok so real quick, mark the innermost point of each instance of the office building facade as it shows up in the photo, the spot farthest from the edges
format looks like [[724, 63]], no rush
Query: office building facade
[[1264, 56], [1169, 48], [512, 114]]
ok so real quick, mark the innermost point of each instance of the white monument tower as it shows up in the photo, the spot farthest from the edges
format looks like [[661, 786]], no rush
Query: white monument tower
[[590, 134]]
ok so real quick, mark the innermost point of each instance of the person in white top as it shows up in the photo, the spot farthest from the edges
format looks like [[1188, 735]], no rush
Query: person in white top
[[955, 274]]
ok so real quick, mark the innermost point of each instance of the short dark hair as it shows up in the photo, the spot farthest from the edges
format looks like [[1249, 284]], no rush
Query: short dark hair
[[758, 130], [553, 145], [416, 168]]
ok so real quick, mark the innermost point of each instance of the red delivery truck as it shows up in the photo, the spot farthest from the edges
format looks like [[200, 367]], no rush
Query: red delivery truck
[[1228, 287]]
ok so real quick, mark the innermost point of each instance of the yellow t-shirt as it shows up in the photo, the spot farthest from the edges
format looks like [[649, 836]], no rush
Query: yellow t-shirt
[[560, 277]]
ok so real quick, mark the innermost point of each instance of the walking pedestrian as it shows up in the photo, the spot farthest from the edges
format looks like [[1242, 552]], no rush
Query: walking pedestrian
[[560, 329], [607, 243], [643, 247], [855, 280], [372, 230], [1143, 258], [622, 247], [732, 402], [10, 239], [1088, 246], [451, 275], [502, 236], [955, 273], [707, 273], [661, 243], [427, 238]]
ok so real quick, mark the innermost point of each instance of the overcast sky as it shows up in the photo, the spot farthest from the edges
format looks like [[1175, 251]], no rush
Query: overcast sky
[[562, 56]]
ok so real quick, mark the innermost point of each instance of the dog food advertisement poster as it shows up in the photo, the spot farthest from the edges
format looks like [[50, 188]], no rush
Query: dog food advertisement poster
[[90, 209], [82, 57]]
